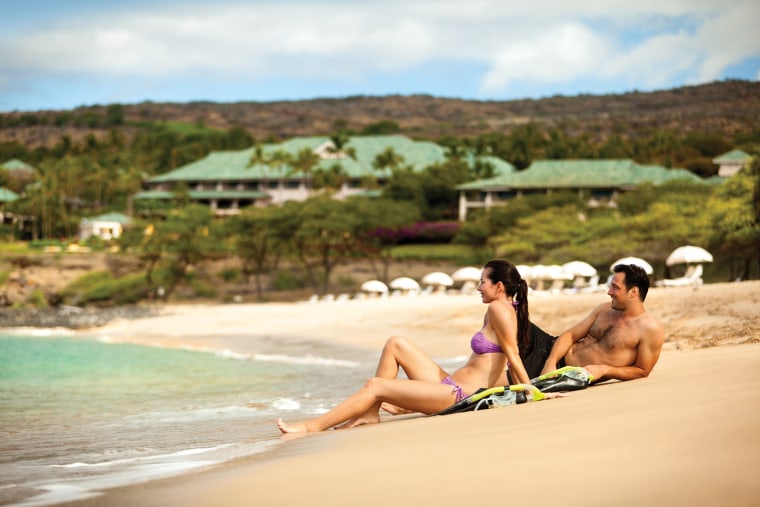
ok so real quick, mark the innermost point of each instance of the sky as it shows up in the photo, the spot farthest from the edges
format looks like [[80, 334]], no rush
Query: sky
[[64, 54]]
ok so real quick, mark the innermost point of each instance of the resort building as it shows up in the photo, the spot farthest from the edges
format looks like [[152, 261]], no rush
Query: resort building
[[228, 181], [19, 174], [16, 167], [7, 196], [600, 181], [731, 163], [108, 226]]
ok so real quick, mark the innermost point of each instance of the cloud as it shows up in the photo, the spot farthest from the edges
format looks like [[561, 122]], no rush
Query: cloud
[[558, 54], [238, 39], [504, 44]]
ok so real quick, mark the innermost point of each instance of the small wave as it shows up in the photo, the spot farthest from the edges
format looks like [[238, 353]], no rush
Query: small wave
[[286, 404], [35, 332], [143, 459], [231, 354], [305, 360], [194, 414]]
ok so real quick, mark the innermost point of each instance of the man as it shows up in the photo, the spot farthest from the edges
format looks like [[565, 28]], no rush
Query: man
[[620, 340]]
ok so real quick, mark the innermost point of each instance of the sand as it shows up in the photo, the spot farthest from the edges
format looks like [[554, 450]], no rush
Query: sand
[[687, 435]]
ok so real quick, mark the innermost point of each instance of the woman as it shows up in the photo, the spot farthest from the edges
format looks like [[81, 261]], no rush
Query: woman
[[429, 388]]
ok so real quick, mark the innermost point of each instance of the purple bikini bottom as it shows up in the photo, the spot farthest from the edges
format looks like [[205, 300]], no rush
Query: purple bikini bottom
[[456, 389]]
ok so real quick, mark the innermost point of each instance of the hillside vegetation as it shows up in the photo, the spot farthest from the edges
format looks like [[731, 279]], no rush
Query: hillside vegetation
[[726, 107]]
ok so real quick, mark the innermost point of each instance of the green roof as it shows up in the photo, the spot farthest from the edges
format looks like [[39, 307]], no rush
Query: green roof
[[204, 194], [15, 164], [109, 217], [7, 195], [234, 165], [732, 156], [573, 174]]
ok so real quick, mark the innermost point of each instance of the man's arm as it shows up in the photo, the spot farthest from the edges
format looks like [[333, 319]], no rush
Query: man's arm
[[647, 354], [567, 338]]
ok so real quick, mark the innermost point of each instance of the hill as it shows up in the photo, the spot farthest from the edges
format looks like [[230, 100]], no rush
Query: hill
[[725, 107]]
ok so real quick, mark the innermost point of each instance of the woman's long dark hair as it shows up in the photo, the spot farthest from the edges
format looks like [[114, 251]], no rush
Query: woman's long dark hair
[[506, 273]]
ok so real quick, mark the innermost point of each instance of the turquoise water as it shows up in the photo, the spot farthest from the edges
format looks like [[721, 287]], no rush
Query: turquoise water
[[77, 415]]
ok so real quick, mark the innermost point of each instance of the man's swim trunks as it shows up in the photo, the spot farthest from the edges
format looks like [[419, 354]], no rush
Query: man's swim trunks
[[456, 388], [541, 344]]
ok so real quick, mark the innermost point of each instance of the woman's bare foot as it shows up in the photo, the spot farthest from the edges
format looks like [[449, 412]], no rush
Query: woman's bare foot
[[291, 428]]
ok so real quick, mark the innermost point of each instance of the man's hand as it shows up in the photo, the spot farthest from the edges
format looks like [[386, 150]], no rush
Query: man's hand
[[597, 371]]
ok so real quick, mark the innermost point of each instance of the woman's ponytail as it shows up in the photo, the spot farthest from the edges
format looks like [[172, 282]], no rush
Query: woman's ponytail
[[523, 317]]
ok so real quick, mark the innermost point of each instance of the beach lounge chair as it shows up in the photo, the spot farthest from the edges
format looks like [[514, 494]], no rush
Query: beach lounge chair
[[693, 276]]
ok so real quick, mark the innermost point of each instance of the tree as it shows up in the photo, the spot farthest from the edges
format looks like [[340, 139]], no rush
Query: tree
[[324, 237], [735, 219], [304, 162], [382, 127], [340, 148], [253, 233], [614, 147], [186, 237], [526, 144], [388, 159], [379, 229], [142, 239]]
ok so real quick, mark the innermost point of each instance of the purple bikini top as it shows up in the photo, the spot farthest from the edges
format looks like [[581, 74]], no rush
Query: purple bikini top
[[480, 345]]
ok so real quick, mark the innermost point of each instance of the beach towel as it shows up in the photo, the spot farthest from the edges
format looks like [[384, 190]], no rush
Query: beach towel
[[567, 378], [492, 397]]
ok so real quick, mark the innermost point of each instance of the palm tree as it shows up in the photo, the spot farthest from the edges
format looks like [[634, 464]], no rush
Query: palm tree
[[388, 159], [257, 157], [339, 145]]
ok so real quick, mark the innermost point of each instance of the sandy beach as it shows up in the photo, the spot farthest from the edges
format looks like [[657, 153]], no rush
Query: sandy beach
[[687, 435]]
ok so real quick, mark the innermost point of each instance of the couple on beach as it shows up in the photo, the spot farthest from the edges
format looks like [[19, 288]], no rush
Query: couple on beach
[[617, 340]]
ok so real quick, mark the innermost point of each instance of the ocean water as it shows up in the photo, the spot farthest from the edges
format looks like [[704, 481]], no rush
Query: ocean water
[[80, 415]]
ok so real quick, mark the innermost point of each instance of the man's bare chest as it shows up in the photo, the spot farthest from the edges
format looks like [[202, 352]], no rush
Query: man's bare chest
[[613, 334]]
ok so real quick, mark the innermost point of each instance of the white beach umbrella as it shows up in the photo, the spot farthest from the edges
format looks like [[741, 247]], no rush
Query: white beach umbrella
[[688, 254], [540, 272], [550, 272], [579, 268], [637, 261], [468, 274], [557, 273], [438, 279], [404, 283], [374, 286]]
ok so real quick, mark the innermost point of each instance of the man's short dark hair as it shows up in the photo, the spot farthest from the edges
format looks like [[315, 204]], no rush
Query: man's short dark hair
[[635, 276]]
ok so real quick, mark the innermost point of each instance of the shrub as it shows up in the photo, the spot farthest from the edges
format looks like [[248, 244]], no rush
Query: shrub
[[346, 281], [131, 289], [286, 280], [37, 299], [421, 232], [230, 274]]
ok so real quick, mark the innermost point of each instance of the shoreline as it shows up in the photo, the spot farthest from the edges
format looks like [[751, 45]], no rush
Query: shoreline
[[711, 351], [673, 439]]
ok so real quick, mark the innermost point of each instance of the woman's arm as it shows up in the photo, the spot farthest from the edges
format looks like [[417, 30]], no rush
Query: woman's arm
[[503, 321]]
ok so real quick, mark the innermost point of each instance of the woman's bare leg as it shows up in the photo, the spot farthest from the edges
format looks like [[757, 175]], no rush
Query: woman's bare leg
[[413, 395], [417, 364], [394, 410]]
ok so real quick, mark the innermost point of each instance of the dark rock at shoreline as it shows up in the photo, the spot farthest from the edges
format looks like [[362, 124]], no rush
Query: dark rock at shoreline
[[72, 317]]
